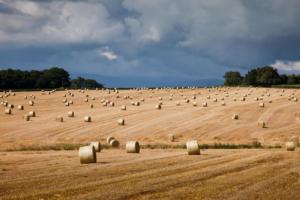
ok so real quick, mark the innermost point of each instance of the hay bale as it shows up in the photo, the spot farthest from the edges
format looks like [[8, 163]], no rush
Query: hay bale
[[123, 107], [67, 104], [121, 122], [262, 124], [158, 107], [177, 103], [91, 106], [59, 119], [96, 145], [26, 117], [31, 103], [109, 138], [132, 147], [20, 107], [290, 146], [87, 154], [114, 143], [171, 137], [204, 104], [223, 103], [195, 104], [7, 111], [87, 118], [32, 113], [261, 105], [235, 116], [192, 147], [295, 99], [71, 114]]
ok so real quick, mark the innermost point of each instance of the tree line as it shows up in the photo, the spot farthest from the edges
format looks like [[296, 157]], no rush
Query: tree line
[[262, 76], [54, 77]]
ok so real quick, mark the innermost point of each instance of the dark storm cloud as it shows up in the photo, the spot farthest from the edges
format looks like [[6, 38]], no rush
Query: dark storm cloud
[[159, 38]]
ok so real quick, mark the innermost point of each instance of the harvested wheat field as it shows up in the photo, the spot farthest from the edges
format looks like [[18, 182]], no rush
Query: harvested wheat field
[[152, 174], [149, 125], [66, 120]]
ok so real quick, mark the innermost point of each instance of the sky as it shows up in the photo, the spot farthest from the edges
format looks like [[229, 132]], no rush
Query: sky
[[125, 43]]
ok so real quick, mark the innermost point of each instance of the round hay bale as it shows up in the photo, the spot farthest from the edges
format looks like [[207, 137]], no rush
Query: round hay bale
[[7, 111], [195, 104], [261, 105], [26, 117], [96, 145], [109, 138], [204, 104], [87, 118], [114, 143], [67, 104], [262, 124], [171, 137], [71, 114], [158, 107], [235, 116], [121, 122], [87, 154], [91, 106], [32, 113], [20, 107], [59, 119], [223, 103], [295, 99], [132, 147], [290, 146], [178, 103], [123, 107], [192, 147], [31, 103]]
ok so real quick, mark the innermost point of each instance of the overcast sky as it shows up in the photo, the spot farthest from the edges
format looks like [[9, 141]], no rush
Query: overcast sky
[[150, 39]]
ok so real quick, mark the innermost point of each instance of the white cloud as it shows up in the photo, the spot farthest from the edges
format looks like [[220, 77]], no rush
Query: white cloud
[[287, 65], [107, 53], [58, 22]]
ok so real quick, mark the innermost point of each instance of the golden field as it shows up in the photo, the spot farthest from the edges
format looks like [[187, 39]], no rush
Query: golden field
[[153, 173]]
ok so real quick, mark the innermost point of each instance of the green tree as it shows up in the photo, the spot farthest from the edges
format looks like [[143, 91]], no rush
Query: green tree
[[251, 78], [80, 82], [293, 79], [232, 78], [267, 76]]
